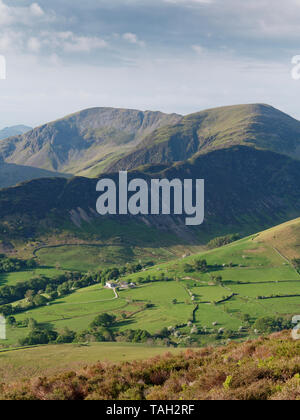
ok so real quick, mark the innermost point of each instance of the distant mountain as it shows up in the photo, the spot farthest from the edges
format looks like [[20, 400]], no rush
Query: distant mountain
[[259, 126], [247, 190], [100, 140], [80, 141], [11, 174], [15, 130]]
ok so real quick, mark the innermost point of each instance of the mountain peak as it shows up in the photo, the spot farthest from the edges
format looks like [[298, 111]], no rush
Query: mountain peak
[[83, 139], [254, 125]]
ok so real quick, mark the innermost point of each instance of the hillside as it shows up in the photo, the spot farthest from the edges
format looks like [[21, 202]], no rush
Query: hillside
[[285, 238], [100, 140], [233, 292], [259, 126], [81, 140], [11, 174], [264, 369], [13, 131], [247, 190]]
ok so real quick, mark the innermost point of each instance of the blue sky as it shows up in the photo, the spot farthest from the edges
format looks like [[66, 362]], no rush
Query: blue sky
[[170, 55]]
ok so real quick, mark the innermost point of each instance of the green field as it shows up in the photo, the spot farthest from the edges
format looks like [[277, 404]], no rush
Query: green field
[[44, 360], [11, 279], [249, 269]]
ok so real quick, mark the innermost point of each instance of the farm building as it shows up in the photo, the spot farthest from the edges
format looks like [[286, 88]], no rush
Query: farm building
[[111, 284]]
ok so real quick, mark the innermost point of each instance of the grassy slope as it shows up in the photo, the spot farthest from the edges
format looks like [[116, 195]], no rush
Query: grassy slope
[[285, 238], [265, 369], [45, 360], [258, 270]]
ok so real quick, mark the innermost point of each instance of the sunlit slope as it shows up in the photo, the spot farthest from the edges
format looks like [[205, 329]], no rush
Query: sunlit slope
[[254, 125], [284, 238]]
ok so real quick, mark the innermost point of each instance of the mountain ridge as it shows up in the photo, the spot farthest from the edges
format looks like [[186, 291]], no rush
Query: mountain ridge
[[81, 139], [256, 125], [247, 190]]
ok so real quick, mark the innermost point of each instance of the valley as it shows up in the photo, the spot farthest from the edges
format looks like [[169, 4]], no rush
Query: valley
[[82, 287], [242, 282]]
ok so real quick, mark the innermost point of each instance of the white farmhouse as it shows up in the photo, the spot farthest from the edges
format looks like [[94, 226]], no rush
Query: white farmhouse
[[111, 284]]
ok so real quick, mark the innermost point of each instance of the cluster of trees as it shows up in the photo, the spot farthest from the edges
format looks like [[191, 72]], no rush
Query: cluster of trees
[[268, 325], [33, 290], [100, 330], [10, 265], [198, 265], [114, 273], [223, 240]]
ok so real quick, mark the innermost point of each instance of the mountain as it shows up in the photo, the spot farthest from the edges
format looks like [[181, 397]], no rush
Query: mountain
[[258, 125], [100, 140], [15, 130], [11, 174], [247, 190], [84, 139]]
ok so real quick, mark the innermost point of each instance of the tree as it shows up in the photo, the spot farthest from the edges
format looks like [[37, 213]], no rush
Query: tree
[[67, 336], [200, 265], [39, 300], [268, 324], [187, 268], [63, 289], [103, 320], [11, 320], [29, 295], [246, 318], [6, 310], [174, 301]]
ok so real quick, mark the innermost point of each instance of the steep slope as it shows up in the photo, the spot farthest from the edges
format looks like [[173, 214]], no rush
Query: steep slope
[[259, 126], [13, 131], [247, 190], [81, 140], [11, 174]]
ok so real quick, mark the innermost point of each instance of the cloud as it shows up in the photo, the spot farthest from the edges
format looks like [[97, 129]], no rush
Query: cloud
[[198, 49], [133, 39], [36, 10], [200, 53], [34, 45], [10, 15], [70, 42]]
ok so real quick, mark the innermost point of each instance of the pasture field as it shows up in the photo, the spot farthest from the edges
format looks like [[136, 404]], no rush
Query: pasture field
[[11, 279], [172, 292], [45, 360]]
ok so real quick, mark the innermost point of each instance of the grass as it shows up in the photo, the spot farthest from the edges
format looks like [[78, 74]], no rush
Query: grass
[[45, 360], [12, 279], [263, 369], [249, 268], [95, 257]]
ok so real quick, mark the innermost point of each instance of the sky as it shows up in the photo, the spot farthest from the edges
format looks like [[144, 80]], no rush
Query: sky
[[178, 56]]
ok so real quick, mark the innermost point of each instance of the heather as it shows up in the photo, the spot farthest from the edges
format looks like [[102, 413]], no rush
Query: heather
[[265, 369]]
